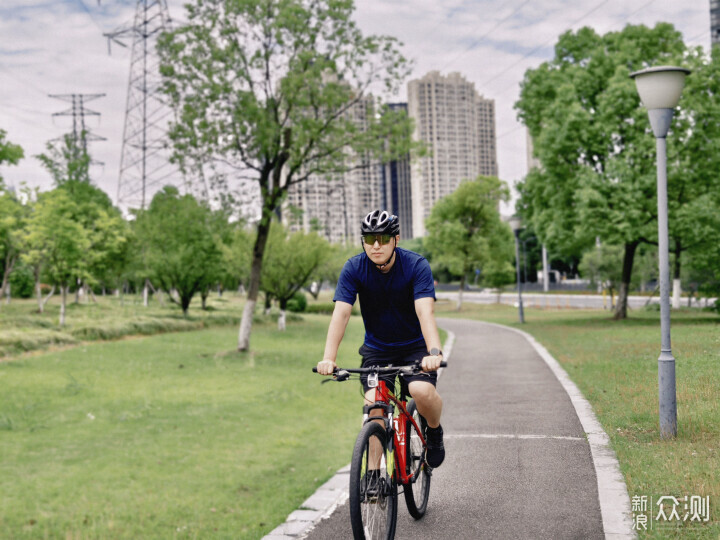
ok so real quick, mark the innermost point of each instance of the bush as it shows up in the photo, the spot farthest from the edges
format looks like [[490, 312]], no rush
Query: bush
[[22, 282], [298, 303], [324, 308]]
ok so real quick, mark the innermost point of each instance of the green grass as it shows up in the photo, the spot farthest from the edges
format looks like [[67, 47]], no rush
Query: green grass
[[23, 329], [614, 363], [171, 436]]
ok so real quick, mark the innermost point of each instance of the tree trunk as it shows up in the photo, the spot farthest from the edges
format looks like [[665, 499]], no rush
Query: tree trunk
[[64, 290], [282, 319], [621, 306], [677, 293], [8, 293], [146, 293], [263, 230], [268, 304], [5, 288], [38, 293], [677, 286], [203, 298], [460, 293]]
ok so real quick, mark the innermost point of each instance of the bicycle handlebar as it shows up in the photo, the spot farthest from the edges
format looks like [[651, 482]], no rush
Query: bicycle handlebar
[[413, 368]]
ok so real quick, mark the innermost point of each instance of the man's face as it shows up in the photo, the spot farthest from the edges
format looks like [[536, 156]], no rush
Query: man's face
[[379, 247]]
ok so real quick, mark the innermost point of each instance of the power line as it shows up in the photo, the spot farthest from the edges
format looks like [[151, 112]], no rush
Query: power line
[[545, 44], [486, 34]]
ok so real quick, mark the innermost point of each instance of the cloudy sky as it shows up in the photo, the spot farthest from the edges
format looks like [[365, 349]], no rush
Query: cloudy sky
[[57, 47]]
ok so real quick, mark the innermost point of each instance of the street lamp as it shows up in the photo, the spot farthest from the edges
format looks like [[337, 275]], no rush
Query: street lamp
[[660, 89], [516, 226]]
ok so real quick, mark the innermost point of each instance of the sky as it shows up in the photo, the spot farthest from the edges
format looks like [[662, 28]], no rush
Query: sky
[[57, 47]]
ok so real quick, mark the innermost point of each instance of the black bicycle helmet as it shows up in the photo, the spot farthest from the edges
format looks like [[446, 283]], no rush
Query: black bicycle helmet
[[380, 222]]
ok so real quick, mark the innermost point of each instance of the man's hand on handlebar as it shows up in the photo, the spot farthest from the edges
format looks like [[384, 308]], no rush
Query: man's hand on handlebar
[[431, 362], [326, 367]]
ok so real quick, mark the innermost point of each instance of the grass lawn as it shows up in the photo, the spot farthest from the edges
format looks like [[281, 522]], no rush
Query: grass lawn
[[23, 329], [614, 363], [171, 436]]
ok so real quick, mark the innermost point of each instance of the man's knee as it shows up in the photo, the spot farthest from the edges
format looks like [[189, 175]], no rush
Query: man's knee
[[423, 391]]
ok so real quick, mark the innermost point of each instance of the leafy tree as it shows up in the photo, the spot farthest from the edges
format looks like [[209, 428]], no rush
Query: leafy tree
[[466, 232], [268, 87], [12, 218], [67, 160], [291, 260], [57, 242], [9, 153], [237, 256], [603, 265], [180, 248], [598, 175]]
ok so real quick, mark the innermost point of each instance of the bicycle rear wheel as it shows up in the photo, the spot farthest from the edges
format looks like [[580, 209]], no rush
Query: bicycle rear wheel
[[373, 489], [417, 492]]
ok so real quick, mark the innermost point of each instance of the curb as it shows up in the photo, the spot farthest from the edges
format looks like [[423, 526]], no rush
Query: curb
[[612, 491], [331, 494]]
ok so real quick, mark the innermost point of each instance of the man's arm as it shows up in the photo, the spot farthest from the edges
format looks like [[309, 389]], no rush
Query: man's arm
[[336, 331], [425, 309]]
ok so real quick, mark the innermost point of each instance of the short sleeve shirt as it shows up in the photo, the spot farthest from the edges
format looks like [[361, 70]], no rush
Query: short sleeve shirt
[[387, 301]]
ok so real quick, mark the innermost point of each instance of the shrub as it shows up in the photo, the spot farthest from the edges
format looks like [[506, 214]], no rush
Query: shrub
[[298, 303], [22, 282], [324, 308]]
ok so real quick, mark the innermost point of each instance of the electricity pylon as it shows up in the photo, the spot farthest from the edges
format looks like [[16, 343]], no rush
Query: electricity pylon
[[78, 113], [145, 159]]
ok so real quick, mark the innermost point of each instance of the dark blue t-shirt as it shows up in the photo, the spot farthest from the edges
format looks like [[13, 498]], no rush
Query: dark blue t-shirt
[[387, 301]]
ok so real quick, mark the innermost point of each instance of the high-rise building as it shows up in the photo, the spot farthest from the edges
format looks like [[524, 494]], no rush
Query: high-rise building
[[714, 22], [335, 204], [396, 186], [458, 125]]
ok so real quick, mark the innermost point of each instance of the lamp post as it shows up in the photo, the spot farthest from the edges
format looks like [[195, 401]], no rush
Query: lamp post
[[516, 226], [660, 89]]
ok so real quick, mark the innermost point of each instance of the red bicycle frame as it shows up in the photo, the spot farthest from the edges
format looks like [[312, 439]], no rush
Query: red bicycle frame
[[399, 428]]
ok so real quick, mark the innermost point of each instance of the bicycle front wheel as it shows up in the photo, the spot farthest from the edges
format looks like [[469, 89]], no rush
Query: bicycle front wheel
[[373, 490], [417, 492]]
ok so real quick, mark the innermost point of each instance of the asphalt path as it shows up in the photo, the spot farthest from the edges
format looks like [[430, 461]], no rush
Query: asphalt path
[[518, 463]]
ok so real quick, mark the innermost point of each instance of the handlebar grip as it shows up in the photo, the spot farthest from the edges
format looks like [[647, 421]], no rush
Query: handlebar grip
[[315, 369], [443, 364]]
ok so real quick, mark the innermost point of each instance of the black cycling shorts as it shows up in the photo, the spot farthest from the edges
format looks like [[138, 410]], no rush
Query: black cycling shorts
[[404, 357]]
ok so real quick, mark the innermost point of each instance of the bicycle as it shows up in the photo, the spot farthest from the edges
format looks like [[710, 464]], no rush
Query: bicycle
[[389, 452]]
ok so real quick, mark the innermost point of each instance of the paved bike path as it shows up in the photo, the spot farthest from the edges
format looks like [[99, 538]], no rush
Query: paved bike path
[[518, 465]]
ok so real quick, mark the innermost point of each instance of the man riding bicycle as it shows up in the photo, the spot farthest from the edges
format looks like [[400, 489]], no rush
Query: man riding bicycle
[[397, 302]]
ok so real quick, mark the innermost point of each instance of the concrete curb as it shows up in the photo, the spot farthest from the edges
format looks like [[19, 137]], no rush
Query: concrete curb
[[612, 491], [330, 495]]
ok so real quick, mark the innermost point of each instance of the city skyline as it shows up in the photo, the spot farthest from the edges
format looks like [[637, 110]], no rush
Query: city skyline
[[58, 48]]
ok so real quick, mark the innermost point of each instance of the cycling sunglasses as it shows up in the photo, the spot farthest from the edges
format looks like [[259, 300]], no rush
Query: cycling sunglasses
[[370, 239]]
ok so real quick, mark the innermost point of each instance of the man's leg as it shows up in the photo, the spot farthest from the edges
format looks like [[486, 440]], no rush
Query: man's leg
[[429, 405]]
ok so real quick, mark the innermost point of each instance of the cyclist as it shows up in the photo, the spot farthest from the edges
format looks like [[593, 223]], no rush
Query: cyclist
[[397, 302]]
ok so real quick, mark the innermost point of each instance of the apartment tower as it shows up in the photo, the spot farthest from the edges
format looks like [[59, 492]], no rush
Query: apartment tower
[[458, 126], [335, 204]]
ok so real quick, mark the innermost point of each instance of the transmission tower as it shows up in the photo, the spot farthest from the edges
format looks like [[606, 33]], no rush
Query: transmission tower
[[78, 112], [145, 159]]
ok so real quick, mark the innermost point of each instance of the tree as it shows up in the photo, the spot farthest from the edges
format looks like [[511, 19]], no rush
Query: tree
[[9, 153], [57, 242], [466, 231], [603, 265], [598, 175], [12, 217], [267, 87], [291, 260], [180, 248], [67, 159]]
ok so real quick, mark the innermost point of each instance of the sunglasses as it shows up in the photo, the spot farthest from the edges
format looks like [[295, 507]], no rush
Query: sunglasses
[[382, 239]]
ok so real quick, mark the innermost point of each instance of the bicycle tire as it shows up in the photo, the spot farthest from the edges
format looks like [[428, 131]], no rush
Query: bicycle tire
[[416, 493], [373, 517]]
